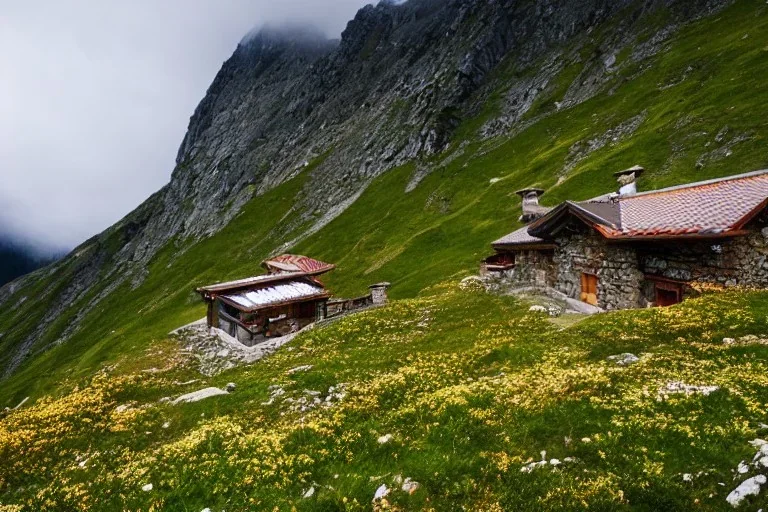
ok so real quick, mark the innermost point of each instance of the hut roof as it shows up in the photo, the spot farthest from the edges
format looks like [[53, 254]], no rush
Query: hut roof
[[275, 295], [705, 209]]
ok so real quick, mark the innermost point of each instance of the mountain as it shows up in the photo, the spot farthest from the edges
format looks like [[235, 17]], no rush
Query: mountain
[[16, 261], [395, 153]]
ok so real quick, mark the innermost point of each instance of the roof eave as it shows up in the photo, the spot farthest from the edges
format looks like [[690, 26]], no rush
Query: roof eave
[[540, 229], [216, 289]]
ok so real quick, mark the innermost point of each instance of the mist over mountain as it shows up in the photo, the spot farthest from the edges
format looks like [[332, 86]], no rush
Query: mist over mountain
[[17, 260]]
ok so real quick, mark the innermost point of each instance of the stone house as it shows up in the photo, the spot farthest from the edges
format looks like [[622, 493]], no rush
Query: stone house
[[630, 249]]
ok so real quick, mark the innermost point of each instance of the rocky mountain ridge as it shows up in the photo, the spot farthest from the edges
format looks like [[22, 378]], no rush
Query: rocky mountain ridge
[[395, 89]]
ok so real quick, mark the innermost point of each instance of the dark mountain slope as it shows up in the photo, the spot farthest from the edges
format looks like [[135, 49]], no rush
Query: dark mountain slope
[[16, 261]]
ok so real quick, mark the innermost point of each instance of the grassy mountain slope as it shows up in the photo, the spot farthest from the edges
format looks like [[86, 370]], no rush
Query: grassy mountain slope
[[444, 225], [470, 387], [699, 103]]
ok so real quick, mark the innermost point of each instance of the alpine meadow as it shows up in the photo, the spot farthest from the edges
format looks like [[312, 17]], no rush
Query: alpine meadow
[[395, 153]]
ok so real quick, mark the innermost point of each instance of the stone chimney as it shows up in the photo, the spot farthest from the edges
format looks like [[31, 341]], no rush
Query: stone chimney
[[531, 208], [379, 293], [628, 180]]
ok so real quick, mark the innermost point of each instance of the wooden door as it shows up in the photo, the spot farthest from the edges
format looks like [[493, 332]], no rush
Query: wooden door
[[589, 288], [668, 294]]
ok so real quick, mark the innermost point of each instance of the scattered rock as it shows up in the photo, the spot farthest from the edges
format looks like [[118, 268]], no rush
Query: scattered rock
[[196, 396], [302, 368], [187, 383], [749, 487], [217, 351], [120, 409], [147, 487], [494, 180], [230, 387], [527, 468], [537, 308], [624, 359], [275, 391], [742, 468], [308, 493], [554, 463], [677, 388], [410, 486], [166, 424], [381, 492], [472, 283], [687, 477], [728, 341], [385, 439]]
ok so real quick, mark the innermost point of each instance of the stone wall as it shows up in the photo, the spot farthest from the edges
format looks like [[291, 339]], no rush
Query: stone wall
[[616, 267], [532, 268], [741, 261]]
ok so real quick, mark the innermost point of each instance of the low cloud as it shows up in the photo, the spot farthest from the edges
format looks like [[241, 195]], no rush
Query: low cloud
[[96, 97]]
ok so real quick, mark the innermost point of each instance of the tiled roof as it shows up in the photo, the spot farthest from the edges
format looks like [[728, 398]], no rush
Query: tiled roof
[[707, 208], [296, 263], [711, 207], [519, 237], [605, 212]]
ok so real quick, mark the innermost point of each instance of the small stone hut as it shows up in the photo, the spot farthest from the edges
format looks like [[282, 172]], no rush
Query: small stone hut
[[286, 299], [629, 249]]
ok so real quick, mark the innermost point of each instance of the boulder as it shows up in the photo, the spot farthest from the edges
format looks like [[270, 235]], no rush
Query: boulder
[[196, 396], [749, 487], [624, 359]]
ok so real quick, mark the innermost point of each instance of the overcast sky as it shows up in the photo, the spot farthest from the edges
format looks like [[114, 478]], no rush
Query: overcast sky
[[95, 97]]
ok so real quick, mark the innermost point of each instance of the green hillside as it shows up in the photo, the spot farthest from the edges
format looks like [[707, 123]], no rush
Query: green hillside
[[456, 390], [700, 108]]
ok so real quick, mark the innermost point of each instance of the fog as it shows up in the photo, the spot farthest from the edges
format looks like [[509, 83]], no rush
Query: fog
[[95, 98]]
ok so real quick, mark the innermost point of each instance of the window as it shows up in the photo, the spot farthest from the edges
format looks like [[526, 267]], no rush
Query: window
[[589, 288]]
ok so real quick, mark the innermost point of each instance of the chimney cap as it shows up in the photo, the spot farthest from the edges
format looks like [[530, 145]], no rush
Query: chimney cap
[[636, 169], [525, 191]]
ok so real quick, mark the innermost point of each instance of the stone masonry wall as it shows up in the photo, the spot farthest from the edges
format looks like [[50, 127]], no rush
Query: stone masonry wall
[[741, 261], [532, 268], [616, 267]]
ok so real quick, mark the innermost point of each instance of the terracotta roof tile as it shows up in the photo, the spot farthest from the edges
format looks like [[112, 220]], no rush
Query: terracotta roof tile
[[296, 263], [705, 208]]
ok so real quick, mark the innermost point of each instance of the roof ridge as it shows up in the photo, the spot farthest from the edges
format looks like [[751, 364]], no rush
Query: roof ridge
[[746, 175]]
